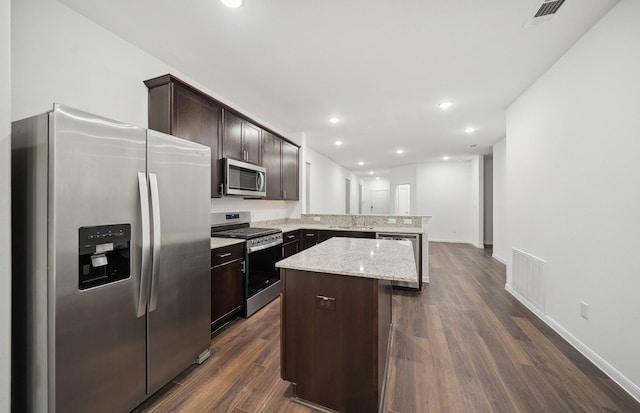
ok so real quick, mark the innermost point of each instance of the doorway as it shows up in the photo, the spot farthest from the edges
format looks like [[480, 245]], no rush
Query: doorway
[[403, 199]]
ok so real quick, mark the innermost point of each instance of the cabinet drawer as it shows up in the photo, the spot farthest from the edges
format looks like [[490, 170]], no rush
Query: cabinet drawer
[[223, 255], [293, 236]]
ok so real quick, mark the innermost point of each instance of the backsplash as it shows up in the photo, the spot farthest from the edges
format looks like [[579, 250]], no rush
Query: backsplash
[[401, 221]]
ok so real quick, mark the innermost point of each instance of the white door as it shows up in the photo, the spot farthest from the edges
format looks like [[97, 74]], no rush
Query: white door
[[403, 199], [379, 202]]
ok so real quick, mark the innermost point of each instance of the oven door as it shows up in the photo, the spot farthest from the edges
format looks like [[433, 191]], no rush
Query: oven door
[[263, 278]]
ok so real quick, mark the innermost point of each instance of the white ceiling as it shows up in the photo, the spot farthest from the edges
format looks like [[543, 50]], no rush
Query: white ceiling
[[382, 66]]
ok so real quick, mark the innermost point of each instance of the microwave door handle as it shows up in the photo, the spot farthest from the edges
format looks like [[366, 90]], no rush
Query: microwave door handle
[[157, 241], [260, 181], [145, 247]]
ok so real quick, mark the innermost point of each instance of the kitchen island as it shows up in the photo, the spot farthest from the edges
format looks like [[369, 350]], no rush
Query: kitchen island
[[336, 320]]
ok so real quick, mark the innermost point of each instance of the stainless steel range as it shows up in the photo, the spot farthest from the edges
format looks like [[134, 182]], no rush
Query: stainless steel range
[[262, 251]]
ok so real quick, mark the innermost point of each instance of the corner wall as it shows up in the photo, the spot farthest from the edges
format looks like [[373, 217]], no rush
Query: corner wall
[[328, 185], [573, 190], [501, 246], [443, 190]]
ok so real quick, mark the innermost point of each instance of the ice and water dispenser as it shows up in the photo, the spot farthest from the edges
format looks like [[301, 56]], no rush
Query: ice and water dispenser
[[104, 255]]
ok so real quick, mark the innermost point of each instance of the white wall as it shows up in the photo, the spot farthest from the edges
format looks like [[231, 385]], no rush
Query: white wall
[[573, 189], [328, 185], [5, 205], [501, 248], [60, 56], [488, 200], [399, 176], [443, 190]]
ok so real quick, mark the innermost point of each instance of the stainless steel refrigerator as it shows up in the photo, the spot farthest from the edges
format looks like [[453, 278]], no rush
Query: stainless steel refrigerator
[[111, 261]]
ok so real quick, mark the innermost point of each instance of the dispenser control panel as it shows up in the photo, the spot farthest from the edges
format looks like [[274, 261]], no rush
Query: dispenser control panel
[[103, 254]]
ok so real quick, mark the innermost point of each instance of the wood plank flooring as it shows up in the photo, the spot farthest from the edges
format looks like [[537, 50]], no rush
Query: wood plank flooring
[[463, 345]]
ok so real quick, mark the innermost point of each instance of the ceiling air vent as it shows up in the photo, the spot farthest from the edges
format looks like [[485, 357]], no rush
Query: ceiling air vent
[[545, 12]]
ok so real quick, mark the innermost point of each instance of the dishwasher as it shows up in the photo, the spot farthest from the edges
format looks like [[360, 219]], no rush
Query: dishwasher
[[415, 242]]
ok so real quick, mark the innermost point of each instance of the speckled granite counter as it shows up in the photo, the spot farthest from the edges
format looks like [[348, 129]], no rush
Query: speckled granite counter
[[223, 242], [293, 227], [358, 257]]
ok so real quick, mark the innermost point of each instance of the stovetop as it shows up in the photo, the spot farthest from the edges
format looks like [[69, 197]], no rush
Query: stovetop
[[244, 233]]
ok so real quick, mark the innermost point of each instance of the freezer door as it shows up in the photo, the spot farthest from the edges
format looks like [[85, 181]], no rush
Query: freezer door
[[97, 341], [180, 301]]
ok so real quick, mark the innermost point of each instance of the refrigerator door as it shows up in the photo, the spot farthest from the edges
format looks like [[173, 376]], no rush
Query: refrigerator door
[[97, 341], [180, 300]]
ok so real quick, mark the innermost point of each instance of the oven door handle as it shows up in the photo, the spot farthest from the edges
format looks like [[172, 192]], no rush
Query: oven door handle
[[263, 247]]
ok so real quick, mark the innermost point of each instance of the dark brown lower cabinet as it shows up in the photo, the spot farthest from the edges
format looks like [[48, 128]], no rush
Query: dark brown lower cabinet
[[290, 243], [335, 334], [227, 284]]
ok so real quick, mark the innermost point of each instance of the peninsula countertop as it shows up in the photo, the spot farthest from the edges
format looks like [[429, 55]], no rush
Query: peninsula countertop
[[358, 257]]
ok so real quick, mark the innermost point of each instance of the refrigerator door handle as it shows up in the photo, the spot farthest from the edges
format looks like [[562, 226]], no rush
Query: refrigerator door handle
[[146, 242], [157, 241]]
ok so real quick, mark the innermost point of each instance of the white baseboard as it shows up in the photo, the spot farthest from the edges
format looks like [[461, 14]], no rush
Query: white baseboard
[[499, 259], [601, 363], [451, 241], [481, 246]]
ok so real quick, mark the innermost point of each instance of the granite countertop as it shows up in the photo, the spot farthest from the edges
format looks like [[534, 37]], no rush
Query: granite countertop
[[224, 242], [358, 257], [401, 230]]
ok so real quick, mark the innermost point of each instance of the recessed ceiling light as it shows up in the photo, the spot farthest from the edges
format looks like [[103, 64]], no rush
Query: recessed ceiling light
[[445, 158], [377, 177], [234, 4], [446, 104], [371, 173], [360, 163], [334, 119], [399, 151], [470, 129], [338, 143]]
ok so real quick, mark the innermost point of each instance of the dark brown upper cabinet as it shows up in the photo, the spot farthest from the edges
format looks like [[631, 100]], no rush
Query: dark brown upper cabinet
[[289, 171], [280, 158], [180, 110], [241, 139], [272, 161]]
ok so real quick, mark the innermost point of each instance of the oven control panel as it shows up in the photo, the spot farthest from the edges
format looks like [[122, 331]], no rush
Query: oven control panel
[[265, 241]]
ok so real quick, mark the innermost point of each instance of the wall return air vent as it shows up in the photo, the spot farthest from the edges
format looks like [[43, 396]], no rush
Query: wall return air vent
[[545, 12]]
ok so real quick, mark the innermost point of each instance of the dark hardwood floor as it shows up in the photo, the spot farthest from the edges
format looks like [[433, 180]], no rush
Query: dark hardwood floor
[[463, 345]]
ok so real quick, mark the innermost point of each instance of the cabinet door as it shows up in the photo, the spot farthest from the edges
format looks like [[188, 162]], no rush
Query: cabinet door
[[289, 171], [309, 238], [198, 120], [232, 137], [271, 160], [226, 292], [289, 249], [251, 135]]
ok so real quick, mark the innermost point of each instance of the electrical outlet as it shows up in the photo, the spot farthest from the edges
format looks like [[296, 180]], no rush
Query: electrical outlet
[[584, 310], [316, 219], [408, 221], [392, 220]]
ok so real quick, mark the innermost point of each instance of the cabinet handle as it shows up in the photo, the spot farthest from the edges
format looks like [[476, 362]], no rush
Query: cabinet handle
[[325, 298], [226, 254], [310, 235], [290, 236]]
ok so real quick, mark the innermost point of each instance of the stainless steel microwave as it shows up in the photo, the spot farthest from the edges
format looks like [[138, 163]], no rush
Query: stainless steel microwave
[[244, 179]]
